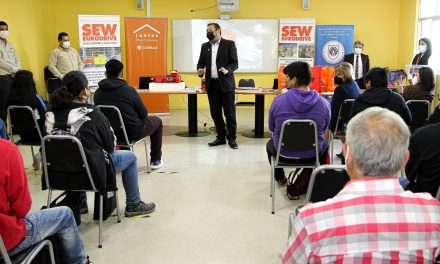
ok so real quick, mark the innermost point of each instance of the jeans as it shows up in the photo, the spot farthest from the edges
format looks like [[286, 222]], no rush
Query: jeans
[[125, 161], [2, 129], [48, 222], [403, 181]]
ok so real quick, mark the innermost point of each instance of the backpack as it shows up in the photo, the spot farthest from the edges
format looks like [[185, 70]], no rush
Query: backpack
[[71, 200], [298, 182]]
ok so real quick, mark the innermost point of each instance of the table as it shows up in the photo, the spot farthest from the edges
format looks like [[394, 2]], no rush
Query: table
[[192, 111]]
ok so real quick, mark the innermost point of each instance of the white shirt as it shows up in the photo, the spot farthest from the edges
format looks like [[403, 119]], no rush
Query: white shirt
[[214, 47], [360, 73], [9, 62]]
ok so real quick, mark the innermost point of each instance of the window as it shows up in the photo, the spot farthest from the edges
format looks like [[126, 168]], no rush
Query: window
[[429, 27]]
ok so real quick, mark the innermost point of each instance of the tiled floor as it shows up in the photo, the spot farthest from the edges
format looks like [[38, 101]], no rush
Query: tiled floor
[[212, 203]]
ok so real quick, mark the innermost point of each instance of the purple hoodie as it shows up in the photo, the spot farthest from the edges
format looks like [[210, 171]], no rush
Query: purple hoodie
[[299, 104]]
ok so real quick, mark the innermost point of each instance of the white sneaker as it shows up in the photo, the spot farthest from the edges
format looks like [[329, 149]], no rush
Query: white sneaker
[[154, 165]]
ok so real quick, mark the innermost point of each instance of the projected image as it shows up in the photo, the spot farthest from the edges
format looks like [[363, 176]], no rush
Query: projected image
[[252, 39]]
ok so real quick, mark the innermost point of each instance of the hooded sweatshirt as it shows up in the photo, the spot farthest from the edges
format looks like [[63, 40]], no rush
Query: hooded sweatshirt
[[116, 92], [382, 97], [93, 129], [299, 104]]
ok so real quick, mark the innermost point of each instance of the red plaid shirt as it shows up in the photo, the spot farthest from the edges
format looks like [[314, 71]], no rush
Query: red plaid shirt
[[370, 221]]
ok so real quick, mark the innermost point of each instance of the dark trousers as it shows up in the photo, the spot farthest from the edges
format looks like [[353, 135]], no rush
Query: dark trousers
[[219, 100], [153, 127], [360, 83], [279, 172], [5, 90]]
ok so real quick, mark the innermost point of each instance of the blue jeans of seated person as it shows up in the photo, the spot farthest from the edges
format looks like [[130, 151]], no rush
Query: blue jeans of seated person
[[48, 222], [125, 161], [2, 129]]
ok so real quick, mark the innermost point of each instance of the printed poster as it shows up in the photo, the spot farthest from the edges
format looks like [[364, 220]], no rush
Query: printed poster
[[99, 41], [333, 42], [296, 41]]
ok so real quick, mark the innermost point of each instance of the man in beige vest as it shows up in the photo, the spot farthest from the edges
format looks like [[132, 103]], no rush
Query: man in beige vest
[[9, 65], [64, 59]]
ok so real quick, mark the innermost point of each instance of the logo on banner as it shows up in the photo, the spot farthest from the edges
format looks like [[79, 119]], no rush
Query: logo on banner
[[147, 38], [333, 52], [296, 33], [99, 32]]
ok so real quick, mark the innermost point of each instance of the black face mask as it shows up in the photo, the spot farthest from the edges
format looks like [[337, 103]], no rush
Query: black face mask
[[338, 80], [210, 35]]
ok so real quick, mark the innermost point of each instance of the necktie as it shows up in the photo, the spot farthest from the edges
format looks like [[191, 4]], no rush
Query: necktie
[[356, 67]]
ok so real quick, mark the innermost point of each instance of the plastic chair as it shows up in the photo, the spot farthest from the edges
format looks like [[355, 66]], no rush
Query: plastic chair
[[69, 174], [420, 113], [28, 255], [115, 118], [245, 83], [343, 118], [296, 135]]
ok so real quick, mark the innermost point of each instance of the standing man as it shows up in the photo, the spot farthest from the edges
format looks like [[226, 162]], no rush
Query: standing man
[[64, 59], [360, 62], [9, 65], [219, 57]]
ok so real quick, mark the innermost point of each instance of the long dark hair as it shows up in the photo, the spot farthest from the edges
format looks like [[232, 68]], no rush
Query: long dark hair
[[72, 85], [23, 90], [429, 47], [426, 78]]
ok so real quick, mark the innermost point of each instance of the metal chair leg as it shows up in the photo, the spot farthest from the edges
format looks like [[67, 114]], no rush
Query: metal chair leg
[[289, 231], [49, 198], [117, 206], [331, 147], [101, 201], [146, 155], [272, 184]]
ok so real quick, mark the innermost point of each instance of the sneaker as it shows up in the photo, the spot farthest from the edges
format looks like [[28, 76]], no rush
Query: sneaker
[[283, 181], [139, 209], [83, 208], [157, 164]]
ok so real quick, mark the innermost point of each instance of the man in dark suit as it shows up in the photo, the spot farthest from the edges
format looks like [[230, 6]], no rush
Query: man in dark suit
[[219, 57], [360, 62]]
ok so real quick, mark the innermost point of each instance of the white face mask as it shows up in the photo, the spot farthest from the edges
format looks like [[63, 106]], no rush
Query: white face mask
[[66, 44], [357, 51], [415, 80], [422, 48], [4, 34]]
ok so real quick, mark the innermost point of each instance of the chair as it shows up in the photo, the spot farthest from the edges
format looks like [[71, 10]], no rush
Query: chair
[[343, 118], [245, 83], [28, 255], [438, 194], [115, 118], [22, 121], [420, 113], [296, 135], [70, 173], [325, 182]]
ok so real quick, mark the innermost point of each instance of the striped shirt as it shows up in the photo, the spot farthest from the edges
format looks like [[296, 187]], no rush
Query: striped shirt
[[371, 220]]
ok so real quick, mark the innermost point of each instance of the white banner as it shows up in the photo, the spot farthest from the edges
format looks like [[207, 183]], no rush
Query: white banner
[[99, 41], [296, 40]]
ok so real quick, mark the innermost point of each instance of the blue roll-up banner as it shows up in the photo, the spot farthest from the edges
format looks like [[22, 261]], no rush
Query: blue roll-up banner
[[333, 42]]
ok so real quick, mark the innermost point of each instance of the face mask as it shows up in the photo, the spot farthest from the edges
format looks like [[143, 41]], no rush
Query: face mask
[[4, 34], [357, 51], [338, 80], [66, 44], [210, 35], [414, 80], [422, 48]]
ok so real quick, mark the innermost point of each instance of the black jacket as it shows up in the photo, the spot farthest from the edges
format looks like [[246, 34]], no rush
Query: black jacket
[[423, 168], [346, 90], [226, 57], [365, 62], [92, 128], [116, 92], [382, 97], [434, 118], [423, 60]]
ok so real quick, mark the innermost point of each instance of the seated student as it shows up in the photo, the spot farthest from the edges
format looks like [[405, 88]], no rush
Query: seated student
[[347, 89], [2, 129], [434, 118], [424, 87], [377, 94], [423, 168], [115, 91], [21, 229], [299, 102], [372, 219], [70, 114], [24, 93]]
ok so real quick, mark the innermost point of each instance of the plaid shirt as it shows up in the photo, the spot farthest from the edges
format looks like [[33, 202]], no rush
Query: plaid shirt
[[370, 221]]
